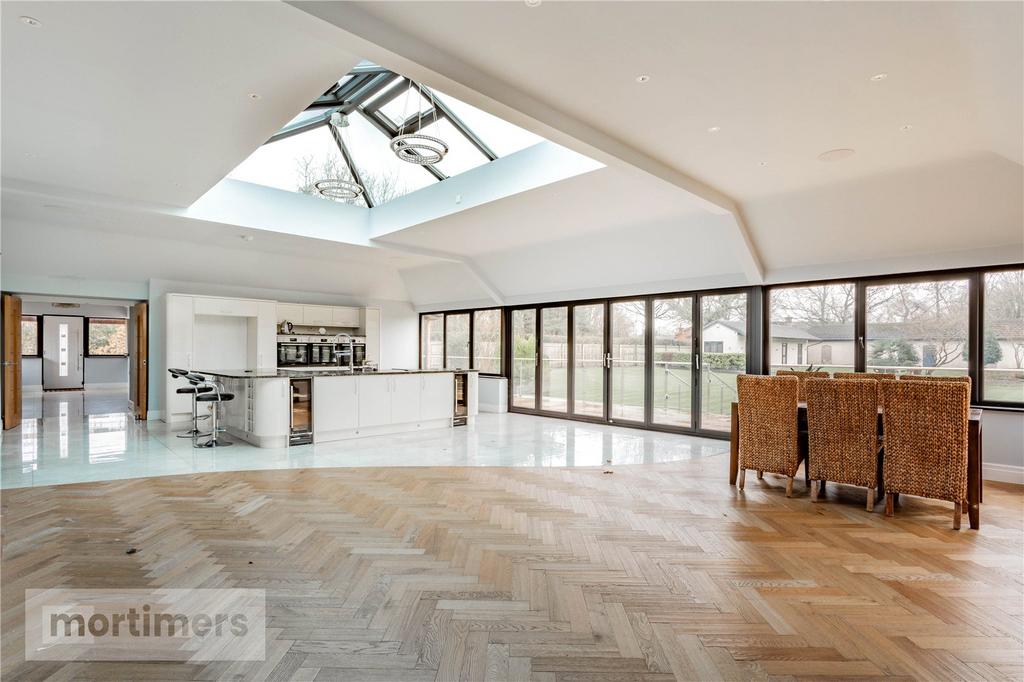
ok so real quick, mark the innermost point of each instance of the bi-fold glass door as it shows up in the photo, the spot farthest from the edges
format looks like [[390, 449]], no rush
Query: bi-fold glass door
[[665, 362]]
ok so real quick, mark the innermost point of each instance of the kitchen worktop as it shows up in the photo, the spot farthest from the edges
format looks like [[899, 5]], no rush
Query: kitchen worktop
[[303, 373]]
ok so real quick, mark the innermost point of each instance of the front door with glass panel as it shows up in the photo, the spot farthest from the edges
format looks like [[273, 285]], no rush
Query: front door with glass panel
[[63, 354]]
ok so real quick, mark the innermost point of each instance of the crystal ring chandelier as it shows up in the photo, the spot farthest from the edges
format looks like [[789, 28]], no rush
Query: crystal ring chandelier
[[415, 147], [338, 189], [420, 149]]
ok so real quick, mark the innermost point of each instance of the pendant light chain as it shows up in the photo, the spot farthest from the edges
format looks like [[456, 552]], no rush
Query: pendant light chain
[[417, 148]]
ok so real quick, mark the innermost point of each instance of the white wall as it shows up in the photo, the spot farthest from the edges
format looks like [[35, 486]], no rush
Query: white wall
[[1003, 446]]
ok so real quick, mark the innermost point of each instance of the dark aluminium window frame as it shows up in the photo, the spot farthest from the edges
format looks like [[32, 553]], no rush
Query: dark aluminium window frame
[[472, 330], [39, 336], [85, 338], [758, 341]]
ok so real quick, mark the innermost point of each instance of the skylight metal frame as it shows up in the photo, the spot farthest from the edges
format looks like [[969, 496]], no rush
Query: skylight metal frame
[[352, 94]]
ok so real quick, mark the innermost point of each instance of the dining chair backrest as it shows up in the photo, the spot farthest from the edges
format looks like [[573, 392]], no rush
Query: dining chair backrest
[[768, 423], [877, 376], [931, 377], [802, 376], [842, 431], [925, 425]]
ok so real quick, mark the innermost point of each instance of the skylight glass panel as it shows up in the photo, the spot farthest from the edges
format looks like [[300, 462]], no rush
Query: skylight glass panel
[[295, 163], [383, 174], [462, 154], [407, 104], [501, 136]]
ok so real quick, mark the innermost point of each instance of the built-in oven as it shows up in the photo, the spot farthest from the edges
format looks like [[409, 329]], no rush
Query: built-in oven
[[321, 353], [292, 352], [350, 356]]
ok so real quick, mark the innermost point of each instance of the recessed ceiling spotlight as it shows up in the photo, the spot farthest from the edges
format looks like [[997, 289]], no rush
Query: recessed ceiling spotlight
[[906, 127], [643, 78], [762, 164], [254, 95], [879, 77], [532, 3], [835, 155], [246, 237], [30, 21], [714, 129]]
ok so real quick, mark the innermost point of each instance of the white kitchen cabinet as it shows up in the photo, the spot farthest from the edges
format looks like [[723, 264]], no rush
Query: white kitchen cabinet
[[437, 396], [374, 400], [179, 334], [369, 323], [405, 398], [335, 404], [264, 326], [317, 316], [230, 307], [345, 317], [473, 394], [289, 312]]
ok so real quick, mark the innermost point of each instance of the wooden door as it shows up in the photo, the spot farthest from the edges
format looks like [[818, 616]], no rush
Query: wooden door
[[11, 305], [140, 360]]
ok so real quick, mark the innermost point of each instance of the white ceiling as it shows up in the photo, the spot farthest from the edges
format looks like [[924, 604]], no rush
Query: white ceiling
[[147, 103]]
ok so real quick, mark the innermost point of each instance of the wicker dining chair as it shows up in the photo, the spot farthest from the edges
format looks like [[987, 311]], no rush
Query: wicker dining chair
[[931, 377], [925, 426], [842, 426], [877, 376], [769, 439], [802, 376]]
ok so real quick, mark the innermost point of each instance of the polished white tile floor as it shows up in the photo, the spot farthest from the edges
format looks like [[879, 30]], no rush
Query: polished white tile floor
[[72, 437]]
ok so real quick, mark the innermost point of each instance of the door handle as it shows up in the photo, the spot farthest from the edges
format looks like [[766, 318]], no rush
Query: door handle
[[696, 356]]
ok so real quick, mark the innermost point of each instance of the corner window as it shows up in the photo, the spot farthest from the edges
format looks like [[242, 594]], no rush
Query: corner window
[[432, 341], [107, 337], [456, 341], [30, 335]]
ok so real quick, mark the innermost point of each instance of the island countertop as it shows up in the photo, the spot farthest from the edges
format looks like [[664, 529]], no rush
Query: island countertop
[[300, 373]]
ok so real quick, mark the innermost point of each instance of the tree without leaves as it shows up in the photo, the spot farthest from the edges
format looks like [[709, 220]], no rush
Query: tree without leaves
[[381, 188]]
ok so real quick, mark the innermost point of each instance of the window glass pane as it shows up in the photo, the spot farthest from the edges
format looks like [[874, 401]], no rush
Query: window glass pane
[[487, 341], [408, 103], [554, 329], [588, 359], [812, 328], [724, 334], [432, 341], [108, 337], [297, 162], [29, 335], [456, 341], [524, 357], [628, 376], [917, 328], [1003, 349], [672, 378]]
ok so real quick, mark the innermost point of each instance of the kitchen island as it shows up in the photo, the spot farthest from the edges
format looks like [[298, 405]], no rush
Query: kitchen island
[[344, 405]]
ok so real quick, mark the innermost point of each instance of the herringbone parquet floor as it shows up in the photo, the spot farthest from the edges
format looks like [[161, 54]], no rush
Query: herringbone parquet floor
[[653, 572]]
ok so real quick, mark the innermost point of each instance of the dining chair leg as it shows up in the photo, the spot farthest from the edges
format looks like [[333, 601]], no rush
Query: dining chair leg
[[957, 507], [760, 475], [821, 486], [871, 499], [789, 487], [739, 480], [814, 491], [889, 504]]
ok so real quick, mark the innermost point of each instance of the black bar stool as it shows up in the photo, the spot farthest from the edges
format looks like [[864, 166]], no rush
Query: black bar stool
[[194, 389], [216, 396]]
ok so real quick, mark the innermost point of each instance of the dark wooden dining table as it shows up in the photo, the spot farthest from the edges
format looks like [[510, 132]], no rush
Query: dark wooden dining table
[[974, 480]]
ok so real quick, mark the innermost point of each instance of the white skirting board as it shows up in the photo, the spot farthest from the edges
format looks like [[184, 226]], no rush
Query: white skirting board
[[1006, 473]]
